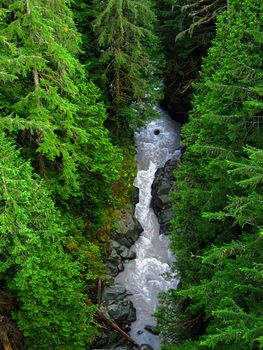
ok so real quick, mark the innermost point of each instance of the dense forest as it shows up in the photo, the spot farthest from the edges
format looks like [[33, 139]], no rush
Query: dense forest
[[77, 79]]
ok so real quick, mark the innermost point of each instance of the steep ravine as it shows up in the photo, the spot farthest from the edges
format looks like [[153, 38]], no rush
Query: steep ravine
[[150, 273]]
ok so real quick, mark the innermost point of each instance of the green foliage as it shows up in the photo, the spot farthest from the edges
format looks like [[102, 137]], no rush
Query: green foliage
[[128, 54], [44, 279], [218, 197], [186, 29], [51, 109], [52, 112]]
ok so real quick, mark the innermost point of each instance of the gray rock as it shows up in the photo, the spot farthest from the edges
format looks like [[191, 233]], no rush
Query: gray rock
[[145, 347], [102, 340], [132, 314], [161, 201], [124, 241], [164, 199], [128, 230], [123, 250], [120, 267], [168, 214], [117, 246], [112, 269], [134, 231], [165, 219], [114, 263], [164, 186], [122, 311], [128, 254], [113, 292], [131, 256], [114, 257], [135, 196]]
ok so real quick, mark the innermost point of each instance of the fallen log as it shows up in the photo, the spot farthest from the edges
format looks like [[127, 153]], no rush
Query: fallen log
[[103, 315], [99, 291], [5, 341]]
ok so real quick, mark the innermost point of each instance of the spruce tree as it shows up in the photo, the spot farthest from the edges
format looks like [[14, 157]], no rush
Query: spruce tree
[[229, 297], [126, 41], [50, 107], [218, 196], [52, 312], [186, 29]]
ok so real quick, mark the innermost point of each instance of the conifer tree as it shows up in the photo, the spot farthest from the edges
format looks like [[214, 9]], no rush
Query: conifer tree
[[218, 197], [186, 29], [126, 40], [50, 107], [45, 281], [229, 297]]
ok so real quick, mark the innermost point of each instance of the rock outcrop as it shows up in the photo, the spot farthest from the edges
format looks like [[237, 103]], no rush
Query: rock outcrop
[[119, 309], [114, 301], [161, 201], [127, 232]]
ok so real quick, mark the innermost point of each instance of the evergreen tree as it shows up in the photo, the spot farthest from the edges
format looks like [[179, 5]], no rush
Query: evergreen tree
[[218, 197], [127, 44], [52, 112], [186, 29], [46, 282], [229, 298], [50, 107]]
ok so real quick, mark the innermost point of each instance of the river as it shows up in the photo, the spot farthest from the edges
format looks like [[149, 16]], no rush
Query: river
[[150, 273]]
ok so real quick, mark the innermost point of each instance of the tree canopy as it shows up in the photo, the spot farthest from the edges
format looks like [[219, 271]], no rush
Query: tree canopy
[[217, 234], [126, 40], [34, 266], [75, 76]]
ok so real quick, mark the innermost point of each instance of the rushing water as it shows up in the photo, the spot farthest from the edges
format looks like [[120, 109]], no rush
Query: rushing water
[[150, 272]]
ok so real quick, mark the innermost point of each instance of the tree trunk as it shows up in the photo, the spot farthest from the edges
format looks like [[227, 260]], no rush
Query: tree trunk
[[102, 315], [5, 341]]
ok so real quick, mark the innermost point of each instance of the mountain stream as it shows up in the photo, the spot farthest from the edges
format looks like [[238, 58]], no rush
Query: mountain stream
[[150, 273]]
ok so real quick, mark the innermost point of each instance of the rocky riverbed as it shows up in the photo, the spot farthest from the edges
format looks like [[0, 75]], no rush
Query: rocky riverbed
[[115, 300]]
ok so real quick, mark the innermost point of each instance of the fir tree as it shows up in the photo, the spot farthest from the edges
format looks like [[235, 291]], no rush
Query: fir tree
[[218, 196], [50, 107], [229, 297], [45, 281], [186, 29], [126, 39]]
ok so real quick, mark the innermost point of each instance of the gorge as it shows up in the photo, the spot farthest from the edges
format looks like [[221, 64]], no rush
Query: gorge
[[150, 272], [78, 268]]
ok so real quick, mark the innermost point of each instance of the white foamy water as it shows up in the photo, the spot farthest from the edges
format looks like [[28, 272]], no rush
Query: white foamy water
[[150, 273]]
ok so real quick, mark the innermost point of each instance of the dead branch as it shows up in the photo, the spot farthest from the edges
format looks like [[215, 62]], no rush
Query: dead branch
[[5, 341], [103, 315], [99, 291]]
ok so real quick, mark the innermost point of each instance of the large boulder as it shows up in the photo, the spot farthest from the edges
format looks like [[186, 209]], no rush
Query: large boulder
[[113, 292], [161, 201], [128, 230], [114, 263], [122, 311]]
